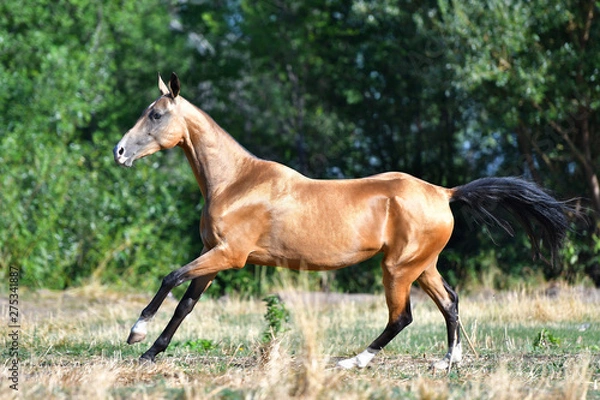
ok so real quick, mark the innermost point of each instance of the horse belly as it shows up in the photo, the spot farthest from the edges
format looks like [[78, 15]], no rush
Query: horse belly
[[326, 237]]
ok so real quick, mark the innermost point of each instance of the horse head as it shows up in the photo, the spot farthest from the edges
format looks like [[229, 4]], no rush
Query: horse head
[[160, 126]]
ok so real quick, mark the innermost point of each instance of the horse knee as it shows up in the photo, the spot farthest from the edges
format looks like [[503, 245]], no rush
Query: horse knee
[[172, 280]]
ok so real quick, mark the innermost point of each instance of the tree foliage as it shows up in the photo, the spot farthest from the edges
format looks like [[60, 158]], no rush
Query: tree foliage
[[71, 81], [532, 75], [448, 91]]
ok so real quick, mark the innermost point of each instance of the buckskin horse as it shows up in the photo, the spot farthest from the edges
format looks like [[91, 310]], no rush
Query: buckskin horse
[[262, 212]]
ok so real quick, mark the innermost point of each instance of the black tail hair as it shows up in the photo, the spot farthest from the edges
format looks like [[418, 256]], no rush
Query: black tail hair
[[525, 201]]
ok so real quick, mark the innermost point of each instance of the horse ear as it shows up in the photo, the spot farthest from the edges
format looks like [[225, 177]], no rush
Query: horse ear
[[174, 85], [164, 90]]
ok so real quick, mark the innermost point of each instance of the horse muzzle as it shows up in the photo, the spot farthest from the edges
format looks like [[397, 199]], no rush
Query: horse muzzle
[[121, 156]]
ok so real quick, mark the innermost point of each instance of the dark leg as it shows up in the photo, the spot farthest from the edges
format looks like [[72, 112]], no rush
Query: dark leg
[[451, 317], [185, 306], [447, 301], [392, 329], [204, 267], [397, 295], [138, 331]]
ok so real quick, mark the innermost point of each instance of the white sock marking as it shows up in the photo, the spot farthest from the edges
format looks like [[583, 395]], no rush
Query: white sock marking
[[360, 360], [453, 356], [456, 354], [140, 327]]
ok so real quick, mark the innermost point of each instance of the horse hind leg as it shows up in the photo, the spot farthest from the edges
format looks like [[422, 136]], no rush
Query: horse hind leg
[[397, 294], [446, 300]]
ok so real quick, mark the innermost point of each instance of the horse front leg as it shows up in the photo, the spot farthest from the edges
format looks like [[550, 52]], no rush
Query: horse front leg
[[185, 306], [204, 268], [138, 331]]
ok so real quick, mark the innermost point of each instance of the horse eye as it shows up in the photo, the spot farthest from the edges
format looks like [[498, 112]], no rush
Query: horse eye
[[155, 115]]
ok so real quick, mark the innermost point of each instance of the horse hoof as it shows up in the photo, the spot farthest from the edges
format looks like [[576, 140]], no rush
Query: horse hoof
[[146, 360], [349, 363], [135, 337], [444, 364], [440, 365]]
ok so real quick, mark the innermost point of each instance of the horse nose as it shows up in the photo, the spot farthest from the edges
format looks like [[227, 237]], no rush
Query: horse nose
[[118, 151]]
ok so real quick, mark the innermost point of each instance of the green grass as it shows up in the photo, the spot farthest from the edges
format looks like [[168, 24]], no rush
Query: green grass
[[72, 345]]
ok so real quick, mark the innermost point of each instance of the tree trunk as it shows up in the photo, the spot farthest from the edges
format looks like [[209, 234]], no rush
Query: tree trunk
[[588, 166], [524, 143]]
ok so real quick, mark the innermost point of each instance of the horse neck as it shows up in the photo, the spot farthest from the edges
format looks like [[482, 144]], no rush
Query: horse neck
[[215, 157]]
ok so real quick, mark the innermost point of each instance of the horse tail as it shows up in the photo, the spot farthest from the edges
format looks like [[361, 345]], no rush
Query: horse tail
[[541, 215]]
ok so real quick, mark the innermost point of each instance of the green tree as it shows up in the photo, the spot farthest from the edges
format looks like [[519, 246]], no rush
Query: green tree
[[334, 89], [446, 90], [530, 71], [70, 72]]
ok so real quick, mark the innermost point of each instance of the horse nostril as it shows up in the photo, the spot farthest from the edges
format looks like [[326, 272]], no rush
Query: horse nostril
[[118, 152]]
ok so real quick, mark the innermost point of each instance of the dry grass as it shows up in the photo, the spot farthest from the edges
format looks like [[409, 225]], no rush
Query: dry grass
[[72, 346]]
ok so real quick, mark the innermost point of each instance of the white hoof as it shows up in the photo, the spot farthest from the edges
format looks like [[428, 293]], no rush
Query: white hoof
[[360, 361], [135, 337], [442, 364], [348, 363], [454, 357], [138, 332]]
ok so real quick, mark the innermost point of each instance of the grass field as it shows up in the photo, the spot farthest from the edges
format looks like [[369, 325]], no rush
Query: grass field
[[531, 344]]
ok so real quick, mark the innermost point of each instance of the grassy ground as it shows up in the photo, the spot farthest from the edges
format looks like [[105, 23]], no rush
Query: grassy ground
[[531, 344]]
